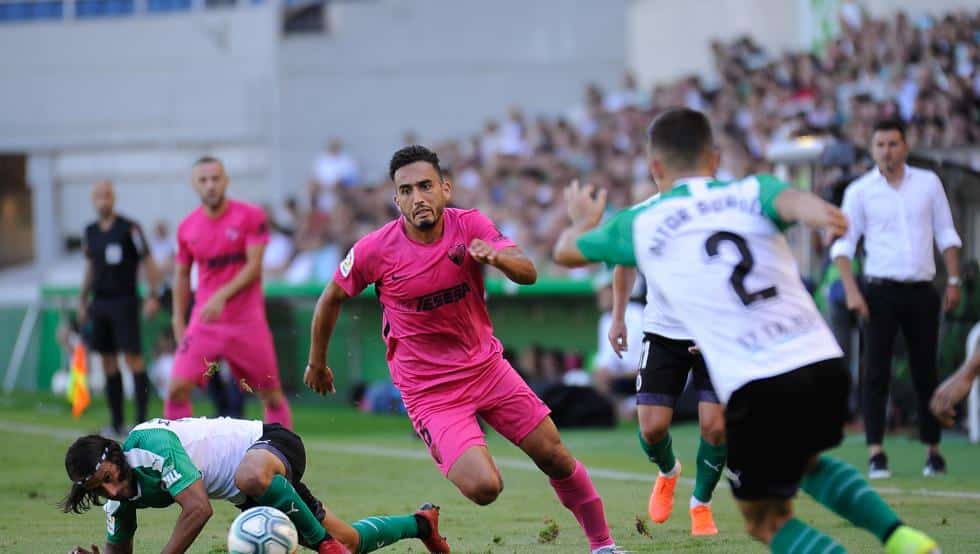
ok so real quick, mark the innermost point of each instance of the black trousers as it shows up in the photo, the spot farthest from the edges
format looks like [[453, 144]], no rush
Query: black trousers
[[913, 308]]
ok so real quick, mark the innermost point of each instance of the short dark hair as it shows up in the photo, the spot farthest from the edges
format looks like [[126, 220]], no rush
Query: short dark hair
[[207, 160], [410, 155], [682, 135], [82, 458], [890, 124]]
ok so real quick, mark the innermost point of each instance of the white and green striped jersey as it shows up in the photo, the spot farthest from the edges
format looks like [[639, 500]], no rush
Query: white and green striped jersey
[[715, 252], [658, 316], [167, 456]]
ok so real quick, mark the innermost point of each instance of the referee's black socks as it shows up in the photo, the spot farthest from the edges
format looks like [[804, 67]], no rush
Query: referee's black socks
[[114, 395], [141, 384]]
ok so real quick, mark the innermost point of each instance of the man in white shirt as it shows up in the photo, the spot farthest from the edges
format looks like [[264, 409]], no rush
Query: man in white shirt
[[900, 211]]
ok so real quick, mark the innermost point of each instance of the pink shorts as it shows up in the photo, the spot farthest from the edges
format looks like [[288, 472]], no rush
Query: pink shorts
[[450, 427], [247, 348]]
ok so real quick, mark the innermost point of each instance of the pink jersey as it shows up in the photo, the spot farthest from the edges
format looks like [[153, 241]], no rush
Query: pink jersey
[[434, 316], [218, 247]]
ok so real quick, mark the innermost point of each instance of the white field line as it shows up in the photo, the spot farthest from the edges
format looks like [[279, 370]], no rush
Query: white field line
[[361, 449]]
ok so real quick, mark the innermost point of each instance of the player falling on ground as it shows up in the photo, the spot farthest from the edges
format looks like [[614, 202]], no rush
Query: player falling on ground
[[226, 239], [668, 357], [189, 461], [427, 270], [716, 253]]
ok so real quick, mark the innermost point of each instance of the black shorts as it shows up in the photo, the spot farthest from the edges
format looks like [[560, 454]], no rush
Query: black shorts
[[288, 447], [115, 325], [775, 426], [663, 373]]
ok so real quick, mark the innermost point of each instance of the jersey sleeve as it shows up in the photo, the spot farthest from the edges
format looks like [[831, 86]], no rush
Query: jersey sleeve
[[479, 226], [139, 241], [120, 521], [85, 244], [177, 470], [770, 188], [356, 270], [257, 231], [184, 254], [611, 242]]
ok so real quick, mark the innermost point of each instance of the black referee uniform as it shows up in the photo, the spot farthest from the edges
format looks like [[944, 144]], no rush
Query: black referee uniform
[[113, 313]]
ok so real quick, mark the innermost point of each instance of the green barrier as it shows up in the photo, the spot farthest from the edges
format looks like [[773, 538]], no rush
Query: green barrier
[[555, 313]]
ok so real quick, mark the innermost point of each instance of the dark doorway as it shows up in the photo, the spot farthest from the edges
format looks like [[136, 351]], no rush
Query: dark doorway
[[16, 219]]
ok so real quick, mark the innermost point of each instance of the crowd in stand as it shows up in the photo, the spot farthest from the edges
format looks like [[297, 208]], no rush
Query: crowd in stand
[[925, 70]]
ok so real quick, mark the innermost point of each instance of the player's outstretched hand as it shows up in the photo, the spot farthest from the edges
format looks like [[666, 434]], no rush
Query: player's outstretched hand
[[617, 338], [482, 252], [585, 204], [80, 550], [948, 395], [832, 220], [319, 378]]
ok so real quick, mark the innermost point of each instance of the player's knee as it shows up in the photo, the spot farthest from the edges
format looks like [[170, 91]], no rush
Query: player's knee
[[179, 393], [251, 480], [483, 491], [273, 399], [713, 430], [654, 432]]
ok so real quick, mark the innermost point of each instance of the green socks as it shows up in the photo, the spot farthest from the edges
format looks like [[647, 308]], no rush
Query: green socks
[[661, 453], [380, 531], [711, 463], [282, 496], [842, 489], [797, 537]]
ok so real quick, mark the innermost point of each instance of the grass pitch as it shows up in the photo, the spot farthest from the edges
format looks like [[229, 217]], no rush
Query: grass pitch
[[362, 465]]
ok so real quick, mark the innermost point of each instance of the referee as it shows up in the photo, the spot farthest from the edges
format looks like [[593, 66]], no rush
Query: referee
[[109, 306], [901, 211]]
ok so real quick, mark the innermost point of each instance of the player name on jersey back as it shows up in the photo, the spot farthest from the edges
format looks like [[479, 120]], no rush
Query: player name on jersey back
[[716, 253]]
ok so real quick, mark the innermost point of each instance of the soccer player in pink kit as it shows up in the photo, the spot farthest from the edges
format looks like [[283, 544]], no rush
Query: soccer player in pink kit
[[426, 267], [225, 238]]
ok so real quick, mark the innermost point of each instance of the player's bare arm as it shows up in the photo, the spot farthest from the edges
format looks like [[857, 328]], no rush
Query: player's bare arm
[[181, 293], [151, 305], [249, 272], [511, 261], [622, 282], [195, 511], [318, 375], [585, 207], [795, 205], [954, 389]]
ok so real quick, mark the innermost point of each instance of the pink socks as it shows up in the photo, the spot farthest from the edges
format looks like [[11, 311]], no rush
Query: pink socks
[[577, 493]]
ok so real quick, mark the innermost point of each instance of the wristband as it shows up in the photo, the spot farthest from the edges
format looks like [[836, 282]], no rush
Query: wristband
[[953, 281]]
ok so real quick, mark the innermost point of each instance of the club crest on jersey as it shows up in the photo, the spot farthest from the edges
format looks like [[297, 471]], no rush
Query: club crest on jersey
[[231, 233], [457, 253], [348, 263]]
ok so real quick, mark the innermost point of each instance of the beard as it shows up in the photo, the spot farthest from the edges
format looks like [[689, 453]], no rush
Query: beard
[[213, 202], [426, 225]]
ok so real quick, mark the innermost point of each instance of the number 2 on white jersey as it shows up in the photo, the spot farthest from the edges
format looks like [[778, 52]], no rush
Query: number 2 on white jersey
[[741, 269]]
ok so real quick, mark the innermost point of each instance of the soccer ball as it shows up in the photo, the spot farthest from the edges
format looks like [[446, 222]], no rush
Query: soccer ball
[[262, 530]]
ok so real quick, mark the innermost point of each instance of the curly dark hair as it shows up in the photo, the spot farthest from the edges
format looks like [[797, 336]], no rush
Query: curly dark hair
[[412, 154], [82, 458]]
